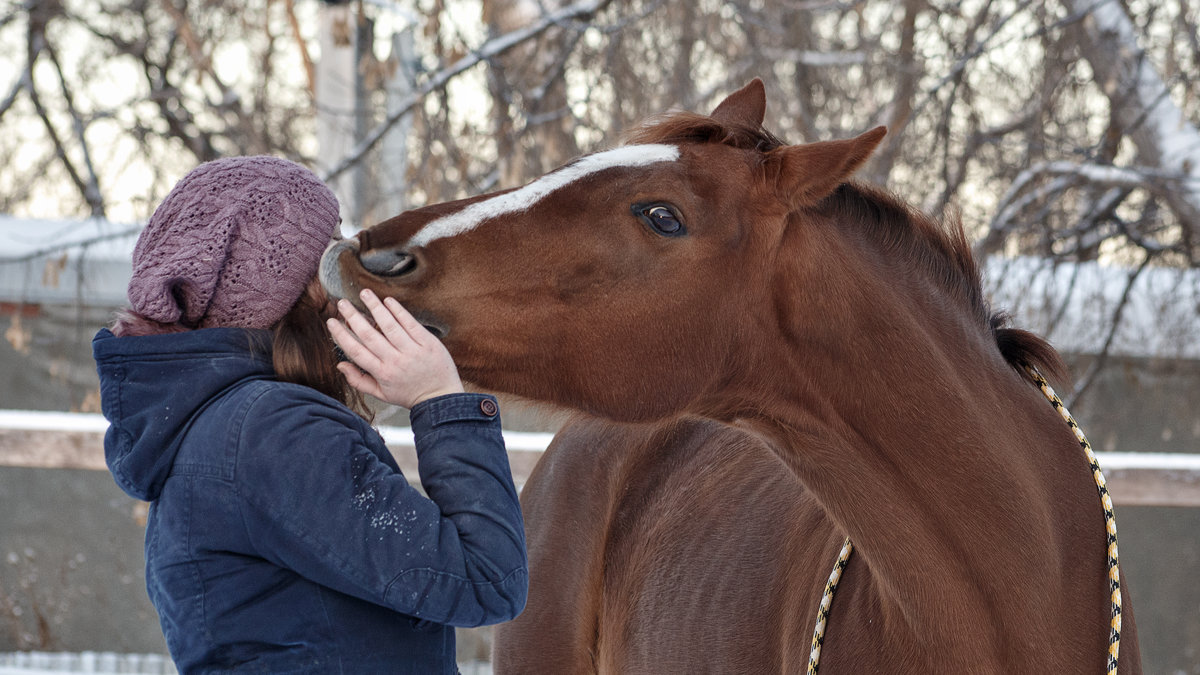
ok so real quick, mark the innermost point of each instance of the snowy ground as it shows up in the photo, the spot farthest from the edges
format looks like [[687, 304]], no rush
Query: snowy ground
[[94, 663]]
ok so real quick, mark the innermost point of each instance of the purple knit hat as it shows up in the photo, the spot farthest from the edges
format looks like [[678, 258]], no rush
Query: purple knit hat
[[235, 243]]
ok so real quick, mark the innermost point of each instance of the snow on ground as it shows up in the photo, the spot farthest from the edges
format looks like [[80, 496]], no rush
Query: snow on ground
[[93, 663]]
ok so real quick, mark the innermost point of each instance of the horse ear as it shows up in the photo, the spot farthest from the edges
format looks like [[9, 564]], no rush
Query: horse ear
[[806, 173], [747, 105]]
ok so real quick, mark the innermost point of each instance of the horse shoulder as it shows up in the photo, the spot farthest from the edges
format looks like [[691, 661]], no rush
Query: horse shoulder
[[708, 567]]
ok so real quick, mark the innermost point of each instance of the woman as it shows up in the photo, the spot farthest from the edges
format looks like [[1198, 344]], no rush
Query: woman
[[282, 537]]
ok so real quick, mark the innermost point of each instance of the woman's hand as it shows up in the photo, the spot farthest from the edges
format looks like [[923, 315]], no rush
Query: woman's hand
[[397, 360]]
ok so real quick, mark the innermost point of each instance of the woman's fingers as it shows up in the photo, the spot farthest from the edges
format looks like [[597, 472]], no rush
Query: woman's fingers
[[397, 359], [350, 344], [391, 317], [419, 333], [360, 380], [382, 341]]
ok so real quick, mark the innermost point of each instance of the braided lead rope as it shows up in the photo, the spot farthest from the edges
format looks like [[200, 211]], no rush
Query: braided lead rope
[[1110, 526], [1110, 521], [835, 577]]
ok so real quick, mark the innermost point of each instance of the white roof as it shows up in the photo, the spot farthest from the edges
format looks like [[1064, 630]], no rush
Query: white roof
[[1072, 304], [65, 261]]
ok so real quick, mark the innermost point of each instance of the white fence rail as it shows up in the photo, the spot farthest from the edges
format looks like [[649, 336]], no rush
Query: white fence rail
[[45, 440]]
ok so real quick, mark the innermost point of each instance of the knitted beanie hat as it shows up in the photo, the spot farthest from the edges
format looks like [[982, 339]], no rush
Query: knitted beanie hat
[[235, 243]]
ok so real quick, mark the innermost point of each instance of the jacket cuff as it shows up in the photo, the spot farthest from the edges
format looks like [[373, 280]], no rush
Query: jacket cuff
[[432, 413]]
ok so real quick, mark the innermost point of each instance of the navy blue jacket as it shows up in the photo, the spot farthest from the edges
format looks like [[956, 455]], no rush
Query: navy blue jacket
[[282, 537]]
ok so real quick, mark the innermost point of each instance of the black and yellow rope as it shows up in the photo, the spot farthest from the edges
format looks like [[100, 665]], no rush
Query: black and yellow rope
[[835, 577], [1110, 526], [1110, 520]]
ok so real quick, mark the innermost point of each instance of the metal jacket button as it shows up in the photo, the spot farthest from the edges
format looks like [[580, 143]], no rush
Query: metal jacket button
[[488, 406]]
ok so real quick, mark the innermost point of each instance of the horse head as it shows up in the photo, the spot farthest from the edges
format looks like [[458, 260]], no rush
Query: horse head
[[631, 282]]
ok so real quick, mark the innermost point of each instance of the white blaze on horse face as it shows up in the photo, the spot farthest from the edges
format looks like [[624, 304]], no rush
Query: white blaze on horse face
[[519, 200]]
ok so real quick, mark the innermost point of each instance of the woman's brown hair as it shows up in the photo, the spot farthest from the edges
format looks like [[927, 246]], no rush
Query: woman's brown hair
[[303, 352]]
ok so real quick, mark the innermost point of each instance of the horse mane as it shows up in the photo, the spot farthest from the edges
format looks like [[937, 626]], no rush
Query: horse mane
[[940, 248], [687, 127]]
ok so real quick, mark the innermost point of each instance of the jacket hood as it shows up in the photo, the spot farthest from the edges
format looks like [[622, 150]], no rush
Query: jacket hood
[[152, 387]]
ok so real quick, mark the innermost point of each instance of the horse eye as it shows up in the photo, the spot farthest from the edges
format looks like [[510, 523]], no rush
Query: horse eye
[[662, 219]]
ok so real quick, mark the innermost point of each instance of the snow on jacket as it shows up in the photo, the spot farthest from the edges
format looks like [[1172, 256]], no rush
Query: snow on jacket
[[282, 536]]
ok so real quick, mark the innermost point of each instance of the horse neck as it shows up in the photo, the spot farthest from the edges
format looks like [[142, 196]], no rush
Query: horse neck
[[950, 473]]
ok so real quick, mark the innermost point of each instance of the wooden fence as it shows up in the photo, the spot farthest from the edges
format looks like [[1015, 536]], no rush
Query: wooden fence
[[75, 441]]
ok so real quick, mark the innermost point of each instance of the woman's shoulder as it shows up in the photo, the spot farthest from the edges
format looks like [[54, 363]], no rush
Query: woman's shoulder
[[290, 435], [260, 418]]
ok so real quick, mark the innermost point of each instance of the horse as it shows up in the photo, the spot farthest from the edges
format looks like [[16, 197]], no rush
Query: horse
[[772, 358]]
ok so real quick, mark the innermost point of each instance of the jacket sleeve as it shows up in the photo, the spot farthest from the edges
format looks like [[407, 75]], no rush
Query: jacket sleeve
[[317, 498]]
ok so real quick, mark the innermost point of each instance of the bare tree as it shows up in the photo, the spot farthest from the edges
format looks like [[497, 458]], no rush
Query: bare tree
[[1167, 141], [156, 87]]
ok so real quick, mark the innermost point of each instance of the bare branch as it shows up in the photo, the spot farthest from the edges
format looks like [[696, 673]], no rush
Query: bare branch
[[91, 192], [179, 119], [980, 47], [36, 45], [309, 70], [438, 80], [900, 108], [814, 58], [22, 83], [1065, 175]]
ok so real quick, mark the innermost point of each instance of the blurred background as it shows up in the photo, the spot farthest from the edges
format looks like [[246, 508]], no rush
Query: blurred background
[[1064, 133]]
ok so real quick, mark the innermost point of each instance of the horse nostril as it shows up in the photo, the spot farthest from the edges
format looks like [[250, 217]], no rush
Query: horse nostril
[[388, 262]]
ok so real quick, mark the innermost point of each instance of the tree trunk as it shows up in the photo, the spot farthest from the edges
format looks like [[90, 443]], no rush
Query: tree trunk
[[1141, 105]]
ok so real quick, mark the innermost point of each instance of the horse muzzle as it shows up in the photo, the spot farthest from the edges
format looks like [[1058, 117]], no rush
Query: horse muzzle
[[345, 267], [330, 269]]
